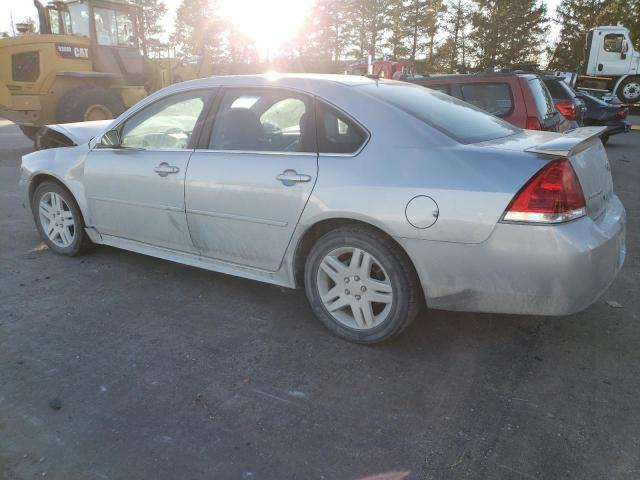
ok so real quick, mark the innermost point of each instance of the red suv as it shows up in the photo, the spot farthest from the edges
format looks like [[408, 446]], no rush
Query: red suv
[[521, 99]]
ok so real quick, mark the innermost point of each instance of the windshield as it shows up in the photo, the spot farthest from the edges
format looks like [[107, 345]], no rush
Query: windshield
[[455, 118], [79, 19], [114, 27], [72, 19]]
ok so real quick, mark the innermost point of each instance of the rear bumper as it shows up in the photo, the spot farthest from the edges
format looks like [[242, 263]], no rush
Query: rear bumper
[[525, 269]]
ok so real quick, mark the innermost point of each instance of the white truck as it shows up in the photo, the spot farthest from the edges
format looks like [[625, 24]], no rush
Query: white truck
[[611, 64]]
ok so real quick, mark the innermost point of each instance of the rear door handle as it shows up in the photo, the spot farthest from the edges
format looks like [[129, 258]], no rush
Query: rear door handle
[[165, 169], [290, 177]]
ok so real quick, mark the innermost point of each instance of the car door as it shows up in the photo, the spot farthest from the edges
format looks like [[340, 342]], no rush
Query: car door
[[610, 55], [247, 185], [136, 190]]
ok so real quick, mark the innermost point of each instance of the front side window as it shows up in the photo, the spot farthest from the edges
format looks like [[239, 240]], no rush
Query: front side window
[[613, 42], [494, 98], [263, 120], [114, 27], [167, 124], [337, 133]]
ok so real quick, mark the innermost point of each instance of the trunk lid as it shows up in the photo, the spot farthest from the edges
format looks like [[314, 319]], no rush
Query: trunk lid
[[584, 150]]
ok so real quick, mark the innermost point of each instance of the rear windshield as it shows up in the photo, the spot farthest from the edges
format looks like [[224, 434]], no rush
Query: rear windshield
[[455, 118], [542, 98], [559, 90], [494, 98]]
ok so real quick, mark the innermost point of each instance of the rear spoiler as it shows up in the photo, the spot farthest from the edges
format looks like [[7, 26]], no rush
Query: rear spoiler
[[569, 143]]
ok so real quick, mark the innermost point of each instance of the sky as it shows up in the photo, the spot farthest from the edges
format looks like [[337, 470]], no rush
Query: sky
[[22, 9]]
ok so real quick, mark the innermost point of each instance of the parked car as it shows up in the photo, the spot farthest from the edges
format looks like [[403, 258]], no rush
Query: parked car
[[567, 102], [611, 115], [521, 99], [376, 196]]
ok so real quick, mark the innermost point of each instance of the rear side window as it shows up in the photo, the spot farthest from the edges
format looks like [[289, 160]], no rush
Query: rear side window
[[542, 98], [336, 132], [453, 117], [558, 89], [494, 98]]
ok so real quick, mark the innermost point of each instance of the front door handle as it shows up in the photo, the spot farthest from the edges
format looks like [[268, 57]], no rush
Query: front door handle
[[291, 177], [165, 169]]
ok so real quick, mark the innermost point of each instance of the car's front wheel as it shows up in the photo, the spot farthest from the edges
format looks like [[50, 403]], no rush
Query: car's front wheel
[[361, 286], [58, 219]]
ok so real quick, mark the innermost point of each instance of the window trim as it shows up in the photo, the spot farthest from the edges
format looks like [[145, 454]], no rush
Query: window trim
[[461, 86], [350, 117], [604, 40], [211, 92], [202, 145]]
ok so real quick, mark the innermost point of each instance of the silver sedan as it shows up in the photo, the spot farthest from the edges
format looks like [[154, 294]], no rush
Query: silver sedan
[[377, 197]]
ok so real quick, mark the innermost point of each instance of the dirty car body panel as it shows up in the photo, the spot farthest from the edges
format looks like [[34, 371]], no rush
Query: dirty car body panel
[[248, 213]]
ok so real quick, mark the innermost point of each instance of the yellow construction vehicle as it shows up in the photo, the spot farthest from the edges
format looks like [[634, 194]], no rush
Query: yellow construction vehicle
[[86, 63]]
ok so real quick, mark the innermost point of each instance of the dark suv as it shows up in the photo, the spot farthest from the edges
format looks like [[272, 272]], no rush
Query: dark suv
[[521, 99], [567, 102]]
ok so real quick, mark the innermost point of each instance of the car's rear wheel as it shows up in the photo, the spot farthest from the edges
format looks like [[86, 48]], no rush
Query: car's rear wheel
[[361, 286], [59, 220]]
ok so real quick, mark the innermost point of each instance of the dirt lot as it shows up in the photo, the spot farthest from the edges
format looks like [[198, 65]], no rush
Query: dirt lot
[[164, 371]]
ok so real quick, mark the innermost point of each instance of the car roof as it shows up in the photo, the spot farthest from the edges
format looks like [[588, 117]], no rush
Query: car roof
[[303, 81], [472, 76]]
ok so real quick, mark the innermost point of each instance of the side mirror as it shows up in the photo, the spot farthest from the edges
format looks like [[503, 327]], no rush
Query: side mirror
[[111, 139], [624, 49]]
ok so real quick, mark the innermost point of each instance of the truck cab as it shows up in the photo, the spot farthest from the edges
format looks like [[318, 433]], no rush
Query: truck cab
[[612, 62]]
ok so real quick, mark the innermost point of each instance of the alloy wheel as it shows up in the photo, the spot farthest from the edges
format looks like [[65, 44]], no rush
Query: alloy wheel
[[57, 220], [354, 288]]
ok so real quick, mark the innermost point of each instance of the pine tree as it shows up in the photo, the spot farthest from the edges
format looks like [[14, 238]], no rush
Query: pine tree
[[456, 22], [152, 13], [370, 21], [576, 17], [330, 32], [507, 33], [201, 32]]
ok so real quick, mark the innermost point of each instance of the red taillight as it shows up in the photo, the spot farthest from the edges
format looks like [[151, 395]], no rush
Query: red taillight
[[533, 124], [567, 109], [622, 113], [553, 195]]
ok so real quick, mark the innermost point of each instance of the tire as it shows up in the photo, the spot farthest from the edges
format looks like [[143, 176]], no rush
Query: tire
[[629, 90], [68, 210], [88, 103], [348, 291]]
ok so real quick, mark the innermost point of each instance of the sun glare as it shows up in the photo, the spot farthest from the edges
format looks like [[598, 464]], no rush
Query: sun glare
[[272, 24]]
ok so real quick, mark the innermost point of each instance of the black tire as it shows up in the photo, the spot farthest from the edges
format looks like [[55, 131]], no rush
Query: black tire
[[635, 88], [604, 139], [80, 239], [77, 104], [407, 292]]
